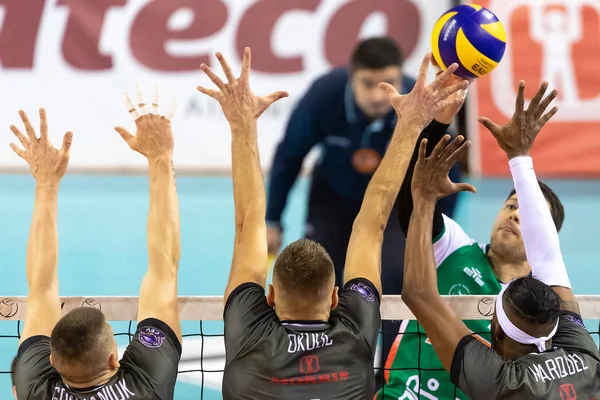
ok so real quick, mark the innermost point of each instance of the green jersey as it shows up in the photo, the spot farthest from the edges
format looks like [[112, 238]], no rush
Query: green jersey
[[413, 370]]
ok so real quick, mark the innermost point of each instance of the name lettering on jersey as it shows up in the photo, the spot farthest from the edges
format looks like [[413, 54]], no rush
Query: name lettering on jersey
[[313, 379], [307, 341], [475, 274], [558, 367], [117, 391]]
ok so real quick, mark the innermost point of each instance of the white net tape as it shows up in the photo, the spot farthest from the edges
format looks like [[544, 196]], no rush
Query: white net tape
[[210, 308]]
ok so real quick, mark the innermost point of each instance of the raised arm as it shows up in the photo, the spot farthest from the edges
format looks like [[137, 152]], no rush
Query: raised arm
[[242, 109], [420, 292], [433, 133], [48, 165], [415, 110], [154, 140], [540, 236]]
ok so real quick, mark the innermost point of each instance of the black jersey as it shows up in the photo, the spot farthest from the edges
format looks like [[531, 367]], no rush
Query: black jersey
[[569, 371], [271, 359], [148, 369]]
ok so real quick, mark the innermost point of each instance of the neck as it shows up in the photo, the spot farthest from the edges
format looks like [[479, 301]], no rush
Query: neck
[[507, 270], [100, 380], [519, 350], [284, 315]]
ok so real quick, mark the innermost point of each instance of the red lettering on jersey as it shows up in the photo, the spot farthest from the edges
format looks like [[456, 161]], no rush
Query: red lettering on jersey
[[567, 392], [313, 379], [309, 364]]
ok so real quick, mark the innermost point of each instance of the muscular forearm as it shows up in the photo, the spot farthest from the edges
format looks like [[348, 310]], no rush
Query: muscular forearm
[[420, 278], [539, 232], [42, 247], [248, 185], [163, 217], [385, 183]]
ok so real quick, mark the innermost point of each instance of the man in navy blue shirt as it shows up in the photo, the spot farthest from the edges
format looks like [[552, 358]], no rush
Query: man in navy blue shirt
[[350, 118]]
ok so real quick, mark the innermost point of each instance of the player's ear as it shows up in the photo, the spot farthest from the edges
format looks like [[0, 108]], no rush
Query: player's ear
[[113, 361], [334, 297], [52, 361], [271, 296], [15, 392]]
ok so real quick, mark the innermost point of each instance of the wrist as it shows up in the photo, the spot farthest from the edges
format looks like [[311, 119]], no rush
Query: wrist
[[515, 154], [47, 186], [242, 125], [160, 159], [423, 196]]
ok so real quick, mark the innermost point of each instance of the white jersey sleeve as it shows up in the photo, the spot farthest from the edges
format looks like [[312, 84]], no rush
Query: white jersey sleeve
[[452, 238]]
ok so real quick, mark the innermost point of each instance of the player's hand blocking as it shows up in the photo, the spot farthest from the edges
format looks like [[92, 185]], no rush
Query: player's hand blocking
[[47, 163], [238, 102], [425, 102], [154, 137], [517, 136], [430, 178]]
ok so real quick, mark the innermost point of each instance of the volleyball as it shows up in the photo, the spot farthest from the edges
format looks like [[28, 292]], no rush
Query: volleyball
[[471, 36]]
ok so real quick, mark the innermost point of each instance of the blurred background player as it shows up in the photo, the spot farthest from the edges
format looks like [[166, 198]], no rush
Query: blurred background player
[[351, 119]]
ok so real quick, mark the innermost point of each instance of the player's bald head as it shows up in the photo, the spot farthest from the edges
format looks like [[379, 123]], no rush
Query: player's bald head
[[303, 273], [81, 345], [533, 307]]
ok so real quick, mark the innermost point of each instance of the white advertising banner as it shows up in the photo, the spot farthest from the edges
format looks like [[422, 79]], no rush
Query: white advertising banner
[[76, 58]]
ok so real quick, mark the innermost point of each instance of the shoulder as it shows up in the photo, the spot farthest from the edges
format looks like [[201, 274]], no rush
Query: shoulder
[[332, 83], [246, 294]]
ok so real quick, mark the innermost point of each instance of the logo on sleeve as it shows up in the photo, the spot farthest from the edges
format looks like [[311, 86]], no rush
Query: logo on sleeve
[[574, 320], [364, 290], [151, 337]]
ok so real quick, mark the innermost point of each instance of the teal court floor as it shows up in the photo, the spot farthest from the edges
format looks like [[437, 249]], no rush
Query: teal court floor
[[102, 227]]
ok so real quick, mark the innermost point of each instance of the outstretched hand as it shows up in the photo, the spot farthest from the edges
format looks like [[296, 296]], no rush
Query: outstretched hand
[[430, 177], [517, 136], [154, 137], [238, 102], [47, 163], [424, 102]]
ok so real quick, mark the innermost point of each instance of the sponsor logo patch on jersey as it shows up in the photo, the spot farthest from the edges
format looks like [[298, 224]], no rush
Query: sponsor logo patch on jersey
[[458, 289], [475, 274], [151, 337], [364, 290]]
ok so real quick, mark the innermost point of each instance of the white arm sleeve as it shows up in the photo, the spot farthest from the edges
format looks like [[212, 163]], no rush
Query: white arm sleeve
[[539, 232]]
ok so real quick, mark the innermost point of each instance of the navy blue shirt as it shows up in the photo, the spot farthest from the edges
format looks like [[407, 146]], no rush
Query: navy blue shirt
[[328, 116]]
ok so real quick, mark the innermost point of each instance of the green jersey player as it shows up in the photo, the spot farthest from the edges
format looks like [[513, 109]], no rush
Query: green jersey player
[[540, 348], [464, 267]]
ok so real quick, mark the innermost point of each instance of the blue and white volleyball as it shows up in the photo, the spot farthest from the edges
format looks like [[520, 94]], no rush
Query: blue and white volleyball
[[471, 36]]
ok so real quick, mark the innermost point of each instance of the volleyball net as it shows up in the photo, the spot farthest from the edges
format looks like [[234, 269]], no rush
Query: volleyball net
[[203, 356]]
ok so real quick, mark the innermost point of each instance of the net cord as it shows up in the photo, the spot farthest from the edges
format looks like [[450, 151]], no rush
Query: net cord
[[210, 308]]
